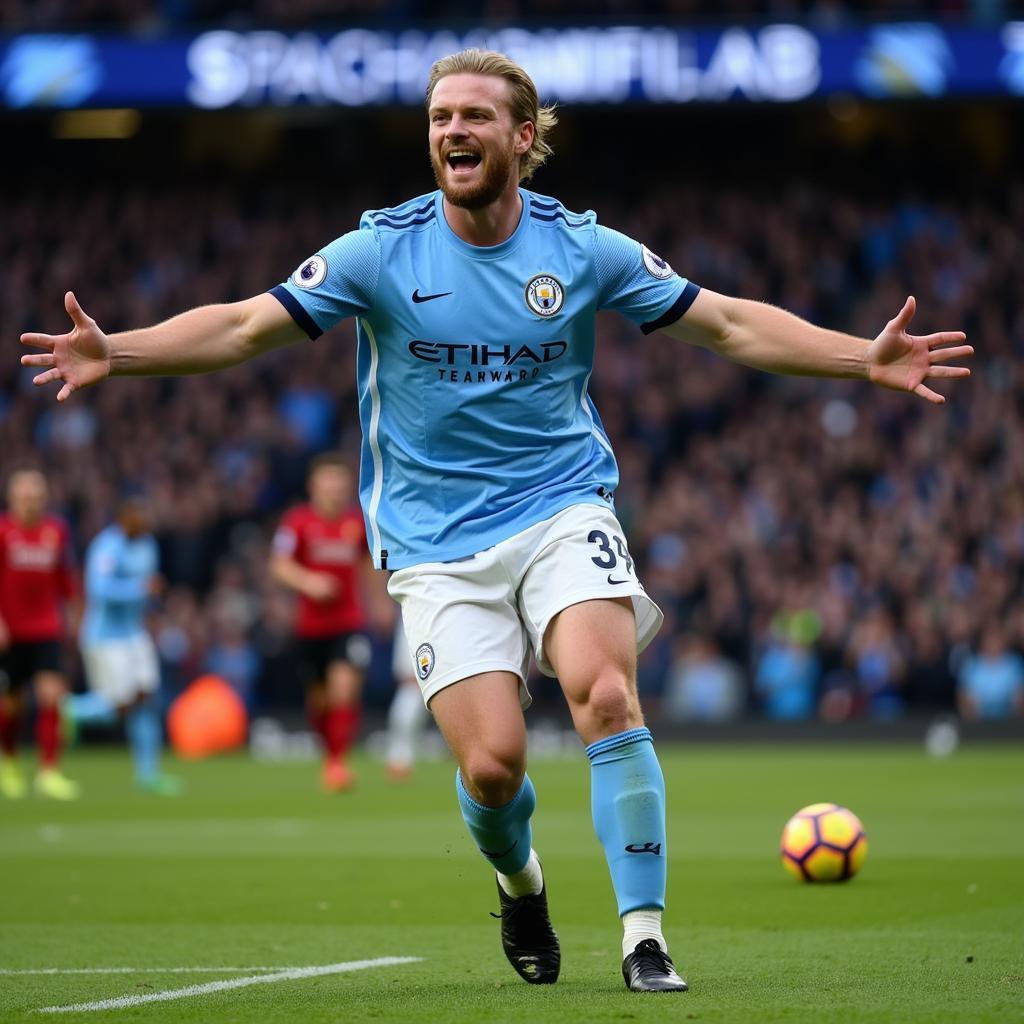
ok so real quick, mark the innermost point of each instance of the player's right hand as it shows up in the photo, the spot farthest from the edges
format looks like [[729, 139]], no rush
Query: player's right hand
[[321, 587], [79, 359]]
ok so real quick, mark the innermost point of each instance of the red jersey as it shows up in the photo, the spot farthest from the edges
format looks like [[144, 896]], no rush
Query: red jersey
[[335, 546], [37, 576]]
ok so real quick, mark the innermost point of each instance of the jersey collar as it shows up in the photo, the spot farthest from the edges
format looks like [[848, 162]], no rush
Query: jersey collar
[[484, 252]]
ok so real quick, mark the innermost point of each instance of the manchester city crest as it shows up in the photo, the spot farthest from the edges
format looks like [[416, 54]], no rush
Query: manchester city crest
[[544, 295], [424, 660]]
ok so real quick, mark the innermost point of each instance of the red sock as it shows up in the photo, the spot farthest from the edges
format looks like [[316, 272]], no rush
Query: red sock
[[318, 723], [48, 735], [342, 724], [9, 729]]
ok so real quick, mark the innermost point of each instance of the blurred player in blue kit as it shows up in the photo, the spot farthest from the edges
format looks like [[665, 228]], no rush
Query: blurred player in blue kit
[[487, 478], [406, 715], [121, 664]]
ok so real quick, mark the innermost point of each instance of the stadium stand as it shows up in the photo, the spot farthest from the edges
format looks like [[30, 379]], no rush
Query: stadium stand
[[869, 536], [148, 15]]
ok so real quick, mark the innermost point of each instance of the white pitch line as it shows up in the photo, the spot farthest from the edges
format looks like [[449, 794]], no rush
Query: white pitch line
[[8, 971], [222, 986]]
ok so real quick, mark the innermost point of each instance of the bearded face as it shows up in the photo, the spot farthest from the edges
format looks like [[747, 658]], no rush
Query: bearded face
[[473, 176], [473, 141]]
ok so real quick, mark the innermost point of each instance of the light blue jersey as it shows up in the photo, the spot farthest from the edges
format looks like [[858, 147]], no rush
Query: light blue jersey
[[473, 365], [118, 570]]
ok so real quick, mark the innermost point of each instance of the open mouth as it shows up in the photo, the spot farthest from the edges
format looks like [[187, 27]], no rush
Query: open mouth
[[462, 161]]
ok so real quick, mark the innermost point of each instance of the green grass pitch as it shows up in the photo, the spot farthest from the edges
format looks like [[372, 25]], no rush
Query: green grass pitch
[[255, 868]]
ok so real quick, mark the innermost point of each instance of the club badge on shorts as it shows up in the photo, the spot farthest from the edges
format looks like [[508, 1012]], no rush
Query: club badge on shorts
[[424, 660], [544, 295]]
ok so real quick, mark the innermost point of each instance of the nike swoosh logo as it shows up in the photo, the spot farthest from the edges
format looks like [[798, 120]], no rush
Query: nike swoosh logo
[[416, 297], [616, 582], [498, 856]]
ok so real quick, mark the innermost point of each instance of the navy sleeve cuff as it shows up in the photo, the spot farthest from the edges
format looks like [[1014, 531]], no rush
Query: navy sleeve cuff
[[674, 312], [298, 314]]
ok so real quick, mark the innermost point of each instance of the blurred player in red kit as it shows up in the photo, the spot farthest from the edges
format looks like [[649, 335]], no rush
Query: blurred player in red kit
[[320, 551], [37, 588]]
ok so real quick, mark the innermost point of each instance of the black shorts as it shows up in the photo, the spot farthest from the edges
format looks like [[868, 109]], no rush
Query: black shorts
[[21, 661], [314, 654]]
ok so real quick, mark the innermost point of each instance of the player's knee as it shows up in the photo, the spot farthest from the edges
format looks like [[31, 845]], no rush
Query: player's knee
[[492, 778], [49, 689], [611, 705], [343, 686]]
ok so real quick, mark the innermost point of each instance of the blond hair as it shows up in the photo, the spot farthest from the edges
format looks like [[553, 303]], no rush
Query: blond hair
[[523, 101]]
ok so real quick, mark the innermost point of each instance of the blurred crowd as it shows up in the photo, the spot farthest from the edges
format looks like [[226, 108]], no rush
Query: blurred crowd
[[820, 548], [156, 15]]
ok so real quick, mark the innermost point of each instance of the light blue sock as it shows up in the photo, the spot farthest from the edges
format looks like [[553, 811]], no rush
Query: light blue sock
[[627, 799], [142, 723], [91, 707], [502, 833]]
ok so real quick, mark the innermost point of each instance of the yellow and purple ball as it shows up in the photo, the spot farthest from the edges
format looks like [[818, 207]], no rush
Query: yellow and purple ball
[[823, 843]]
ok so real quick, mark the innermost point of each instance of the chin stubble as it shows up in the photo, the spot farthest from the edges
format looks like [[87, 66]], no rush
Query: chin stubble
[[475, 197]]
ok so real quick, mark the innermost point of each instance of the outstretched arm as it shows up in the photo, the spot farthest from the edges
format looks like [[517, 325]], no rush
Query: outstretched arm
[[201, 340], [769, 338]]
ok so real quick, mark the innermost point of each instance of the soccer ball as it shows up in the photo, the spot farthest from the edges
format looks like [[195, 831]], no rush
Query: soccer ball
[[823, 843]]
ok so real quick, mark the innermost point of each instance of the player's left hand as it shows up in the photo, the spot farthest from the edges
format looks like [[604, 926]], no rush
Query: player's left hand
[[903, 361]]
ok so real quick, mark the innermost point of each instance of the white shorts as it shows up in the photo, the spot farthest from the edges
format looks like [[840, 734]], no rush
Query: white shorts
[[402, 665], [487, 612], [122, 670]]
